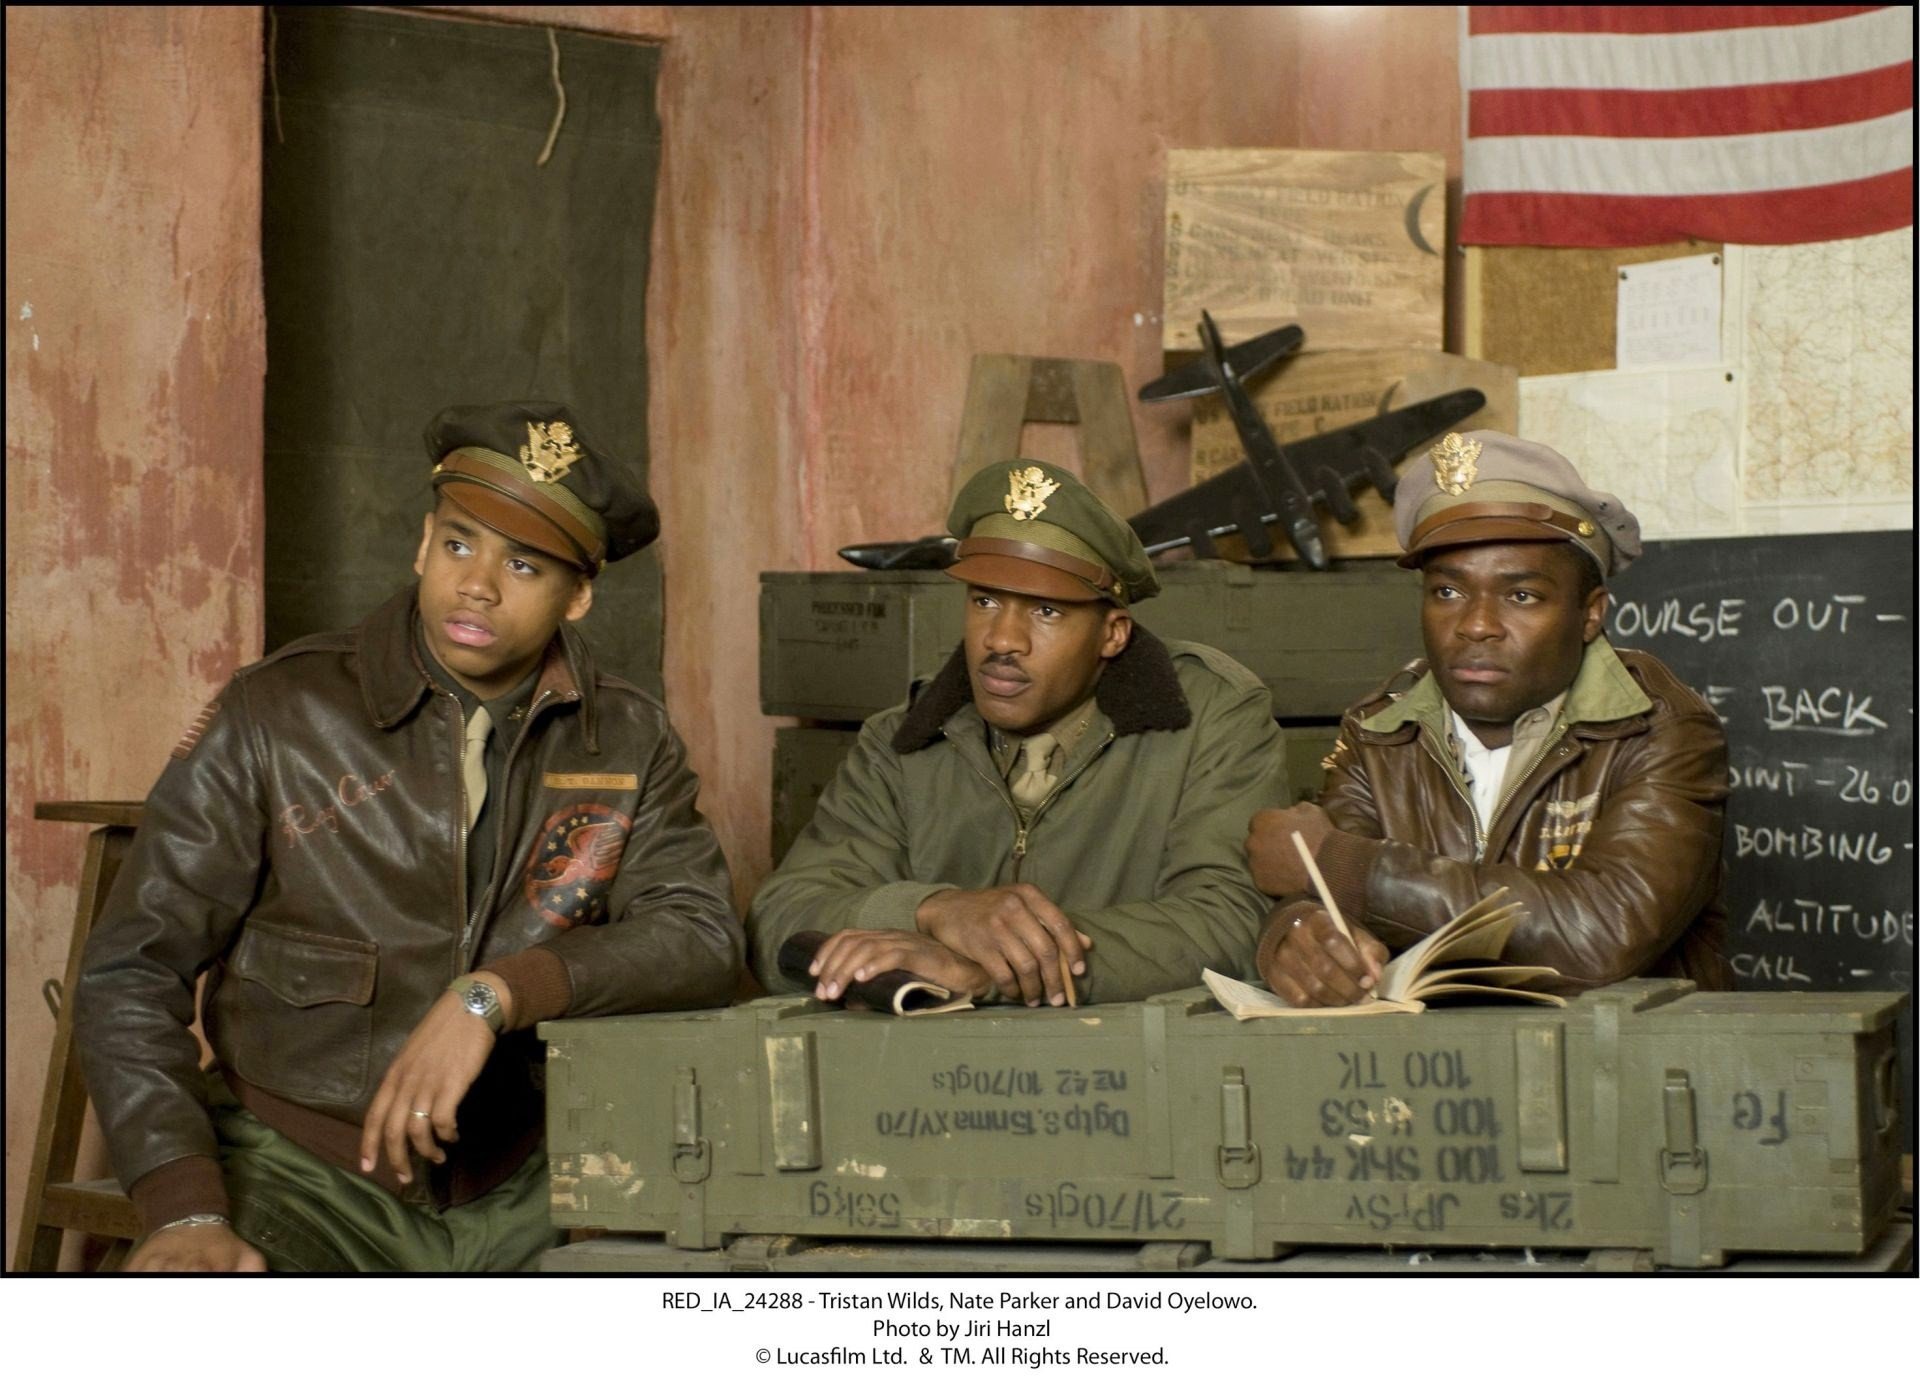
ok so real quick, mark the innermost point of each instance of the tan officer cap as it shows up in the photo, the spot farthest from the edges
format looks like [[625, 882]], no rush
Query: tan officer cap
[[1487, 487]]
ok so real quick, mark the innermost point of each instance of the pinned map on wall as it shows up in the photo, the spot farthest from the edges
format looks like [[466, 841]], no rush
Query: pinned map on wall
[[1807, 427], [1826, 341], [1665, 441]]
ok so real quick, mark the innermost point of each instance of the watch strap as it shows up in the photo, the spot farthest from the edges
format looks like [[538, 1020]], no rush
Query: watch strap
[[491, 1011]]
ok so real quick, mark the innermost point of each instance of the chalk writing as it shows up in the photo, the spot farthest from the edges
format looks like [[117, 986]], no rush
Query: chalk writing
[[1830, 711], [1778, 968], [1809, 843], [1703, 620], [1860, 787], [1815, 616], [1811, 917]]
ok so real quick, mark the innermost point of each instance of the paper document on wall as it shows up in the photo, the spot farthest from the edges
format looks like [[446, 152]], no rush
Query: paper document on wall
[[1668, 313]]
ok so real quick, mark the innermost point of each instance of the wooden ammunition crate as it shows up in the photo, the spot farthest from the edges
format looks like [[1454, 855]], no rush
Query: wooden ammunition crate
[[1643, 1117], [839, 646]]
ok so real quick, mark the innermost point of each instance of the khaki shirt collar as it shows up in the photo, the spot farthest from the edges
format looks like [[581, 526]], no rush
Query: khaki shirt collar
[[1603, 690]]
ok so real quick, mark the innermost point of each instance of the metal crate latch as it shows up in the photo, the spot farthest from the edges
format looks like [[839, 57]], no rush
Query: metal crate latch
[[1683, 1162], [692, 1154], [1239, 1157]]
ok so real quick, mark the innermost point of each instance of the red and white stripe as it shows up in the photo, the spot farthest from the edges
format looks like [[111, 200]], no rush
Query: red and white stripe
[[1632, 125]]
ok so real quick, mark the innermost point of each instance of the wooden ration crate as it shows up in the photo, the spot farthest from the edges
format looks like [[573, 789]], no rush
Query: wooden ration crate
[[1348, 244], [840, 646], [805, 759], [1643, 1117]]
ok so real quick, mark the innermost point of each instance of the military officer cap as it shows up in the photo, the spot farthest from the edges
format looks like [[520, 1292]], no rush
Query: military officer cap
[[526, 470], [1034, 529], [1487, 487]]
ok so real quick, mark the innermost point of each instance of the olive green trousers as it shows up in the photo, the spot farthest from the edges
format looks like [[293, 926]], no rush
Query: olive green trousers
[[306, 1215]]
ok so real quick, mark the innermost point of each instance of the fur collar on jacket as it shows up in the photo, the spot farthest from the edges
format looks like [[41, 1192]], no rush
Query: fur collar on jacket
[[1138, 691]]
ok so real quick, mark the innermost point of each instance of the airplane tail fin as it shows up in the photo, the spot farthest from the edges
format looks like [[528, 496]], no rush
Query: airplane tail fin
[[1246, 359]]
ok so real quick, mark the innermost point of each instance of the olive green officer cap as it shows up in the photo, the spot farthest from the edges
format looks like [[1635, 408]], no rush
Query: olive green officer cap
[[527, 470], [1034, 529]]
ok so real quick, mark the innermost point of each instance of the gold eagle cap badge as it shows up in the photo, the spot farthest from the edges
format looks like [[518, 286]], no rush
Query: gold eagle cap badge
[[550, 451], [1453, 463], [1027, 492]]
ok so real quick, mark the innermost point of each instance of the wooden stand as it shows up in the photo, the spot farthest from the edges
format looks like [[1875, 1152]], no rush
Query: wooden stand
[[55, 1202], [1005, 392]]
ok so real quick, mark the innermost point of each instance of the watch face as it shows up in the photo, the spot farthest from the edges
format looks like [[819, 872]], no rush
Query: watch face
[[481, 999]]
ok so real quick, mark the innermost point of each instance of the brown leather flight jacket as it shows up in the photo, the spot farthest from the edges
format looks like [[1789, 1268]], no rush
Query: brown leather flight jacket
[[1612, 840], [307, 852]]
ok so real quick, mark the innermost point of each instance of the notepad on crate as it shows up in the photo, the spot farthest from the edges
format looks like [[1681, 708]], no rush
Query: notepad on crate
[[1457, 960]]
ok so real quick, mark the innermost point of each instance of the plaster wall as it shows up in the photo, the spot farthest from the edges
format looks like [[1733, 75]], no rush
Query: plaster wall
[[135, 355]]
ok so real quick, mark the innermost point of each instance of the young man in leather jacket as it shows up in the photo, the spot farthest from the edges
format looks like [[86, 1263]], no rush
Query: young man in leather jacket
[[1524, 751], [391, 852]]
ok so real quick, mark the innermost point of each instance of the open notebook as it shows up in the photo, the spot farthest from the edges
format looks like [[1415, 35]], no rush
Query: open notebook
[[1459, 958]]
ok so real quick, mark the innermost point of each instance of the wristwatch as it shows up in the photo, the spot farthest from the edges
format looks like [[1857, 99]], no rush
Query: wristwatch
[[479, 999]]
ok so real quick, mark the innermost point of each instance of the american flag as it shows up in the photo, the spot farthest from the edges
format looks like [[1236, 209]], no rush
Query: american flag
[[1634, 125]]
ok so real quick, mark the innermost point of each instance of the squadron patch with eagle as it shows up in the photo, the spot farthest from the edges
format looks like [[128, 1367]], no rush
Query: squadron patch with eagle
[[575, 857]]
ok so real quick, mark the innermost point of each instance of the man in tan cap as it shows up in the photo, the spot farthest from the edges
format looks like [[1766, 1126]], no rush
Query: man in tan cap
[[1067, 797], [392, 851], [1524, 751]]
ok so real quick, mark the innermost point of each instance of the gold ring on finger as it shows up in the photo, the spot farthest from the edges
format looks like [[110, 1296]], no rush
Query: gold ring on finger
[[422, 1114]]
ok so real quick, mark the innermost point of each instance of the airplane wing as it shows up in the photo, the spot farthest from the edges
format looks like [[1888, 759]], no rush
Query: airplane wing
[[1243, 361], [1330, 465]]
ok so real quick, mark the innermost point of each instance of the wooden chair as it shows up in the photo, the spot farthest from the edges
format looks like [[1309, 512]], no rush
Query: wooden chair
[[55, 1203]]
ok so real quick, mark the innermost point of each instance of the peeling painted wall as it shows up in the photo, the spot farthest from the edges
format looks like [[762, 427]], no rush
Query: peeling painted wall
[[135, 355]]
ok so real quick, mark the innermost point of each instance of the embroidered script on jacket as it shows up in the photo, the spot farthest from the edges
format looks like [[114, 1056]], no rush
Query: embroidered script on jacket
[[298, 820]]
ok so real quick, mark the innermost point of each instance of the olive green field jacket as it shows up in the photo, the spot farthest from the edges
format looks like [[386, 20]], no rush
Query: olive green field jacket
[[1142, 844]]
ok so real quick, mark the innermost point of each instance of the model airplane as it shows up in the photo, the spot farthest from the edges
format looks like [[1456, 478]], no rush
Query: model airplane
[[1278, 484]]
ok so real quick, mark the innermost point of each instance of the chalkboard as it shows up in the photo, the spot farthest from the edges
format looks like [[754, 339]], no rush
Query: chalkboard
[[1805, 647]]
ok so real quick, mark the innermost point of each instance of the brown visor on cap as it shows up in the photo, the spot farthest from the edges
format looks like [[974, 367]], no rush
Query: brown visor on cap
[[1493, 523], [517, 508], [1030, 569]]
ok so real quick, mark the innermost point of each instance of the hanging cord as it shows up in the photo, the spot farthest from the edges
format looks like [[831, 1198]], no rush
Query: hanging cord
[[273, 71], [559, 111]]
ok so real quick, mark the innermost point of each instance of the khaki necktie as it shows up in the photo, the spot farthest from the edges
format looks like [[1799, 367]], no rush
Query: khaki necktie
[[474, 764], [1033, 784]]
